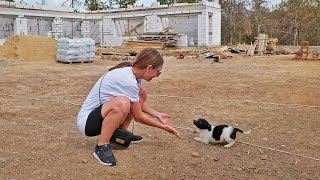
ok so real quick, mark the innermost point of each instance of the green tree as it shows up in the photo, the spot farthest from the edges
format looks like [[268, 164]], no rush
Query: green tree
[[259, 11], [10, 1], [188, 1], [236, 25], [93, 5], [298, 21], [125, 3], [167, 2], [170, 2]]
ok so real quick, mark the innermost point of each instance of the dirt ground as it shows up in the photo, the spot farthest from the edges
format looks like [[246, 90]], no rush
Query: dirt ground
[[276, 97]]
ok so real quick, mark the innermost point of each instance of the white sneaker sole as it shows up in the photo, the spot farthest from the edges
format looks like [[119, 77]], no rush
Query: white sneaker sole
[[103, 163], [136, 142]]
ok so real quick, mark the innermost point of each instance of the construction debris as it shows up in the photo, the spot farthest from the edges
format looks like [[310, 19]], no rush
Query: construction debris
[[271, 45], [304, 53], [261, 43], [169, 39], [133, 48], [206, 52], [161, 40], [128, 51], [144, 44]]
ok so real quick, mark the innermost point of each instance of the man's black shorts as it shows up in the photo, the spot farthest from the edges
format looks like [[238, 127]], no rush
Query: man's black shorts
[[94, 122]]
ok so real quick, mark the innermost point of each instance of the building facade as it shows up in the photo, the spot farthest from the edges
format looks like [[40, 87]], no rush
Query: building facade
[[199, 23]]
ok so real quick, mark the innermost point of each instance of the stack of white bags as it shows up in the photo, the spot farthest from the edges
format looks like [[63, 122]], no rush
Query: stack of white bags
[[75, 50]]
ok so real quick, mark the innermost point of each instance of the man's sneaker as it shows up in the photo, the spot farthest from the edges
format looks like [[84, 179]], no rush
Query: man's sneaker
[[136, 139], [104, 155]]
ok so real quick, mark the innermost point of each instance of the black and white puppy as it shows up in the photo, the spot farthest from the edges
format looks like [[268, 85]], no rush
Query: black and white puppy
[[216, 134]]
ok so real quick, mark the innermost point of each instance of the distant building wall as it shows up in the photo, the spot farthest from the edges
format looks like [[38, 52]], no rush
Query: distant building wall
[[95, 32], [187, 25], [38, 26], [200, 22], [6, 27], [71, 28]]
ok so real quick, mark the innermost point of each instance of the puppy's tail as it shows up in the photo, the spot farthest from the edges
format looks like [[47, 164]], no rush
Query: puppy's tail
[[237, 129]]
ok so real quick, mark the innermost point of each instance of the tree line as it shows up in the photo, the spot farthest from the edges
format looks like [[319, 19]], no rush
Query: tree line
[[291, 21]]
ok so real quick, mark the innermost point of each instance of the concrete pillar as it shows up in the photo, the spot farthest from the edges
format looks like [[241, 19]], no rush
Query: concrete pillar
[[118, 28], [108, 27], [216, 27], [111, 38], [20, 26], [85, 29], [182, 40], [57, 29], [165, 22], [213, 21], [203, 28], [101, 33], [152, 23]]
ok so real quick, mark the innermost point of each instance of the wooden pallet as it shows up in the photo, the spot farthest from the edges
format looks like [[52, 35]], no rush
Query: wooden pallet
[[121, 51], [159, 38], [144, 44]]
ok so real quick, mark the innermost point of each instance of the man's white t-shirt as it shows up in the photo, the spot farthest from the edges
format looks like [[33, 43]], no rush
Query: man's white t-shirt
[[118, 82]]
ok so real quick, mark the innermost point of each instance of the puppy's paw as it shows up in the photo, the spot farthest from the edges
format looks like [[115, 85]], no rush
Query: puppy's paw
[[197, 139], [229, 144]]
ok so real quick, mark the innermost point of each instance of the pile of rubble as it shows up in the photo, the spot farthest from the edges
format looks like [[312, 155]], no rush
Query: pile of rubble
[[262, 45]]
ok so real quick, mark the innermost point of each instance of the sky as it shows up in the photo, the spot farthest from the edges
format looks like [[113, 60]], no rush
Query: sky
[[145, 2]]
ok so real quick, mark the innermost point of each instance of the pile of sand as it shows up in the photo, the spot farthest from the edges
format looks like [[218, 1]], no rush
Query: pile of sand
[[30, 48]]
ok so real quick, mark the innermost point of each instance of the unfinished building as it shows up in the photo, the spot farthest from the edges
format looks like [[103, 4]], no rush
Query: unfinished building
[[196, 24]]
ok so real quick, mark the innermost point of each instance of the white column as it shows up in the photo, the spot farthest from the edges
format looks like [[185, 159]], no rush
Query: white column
[[203, 28], [20, 26], [57, 29], [110, 34], [101, 33], [85, 29], [165, 22], [108, 26], [216, 27]]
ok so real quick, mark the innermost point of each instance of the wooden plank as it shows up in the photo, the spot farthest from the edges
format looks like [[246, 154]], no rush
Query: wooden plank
[[143, 44], [134, 28]]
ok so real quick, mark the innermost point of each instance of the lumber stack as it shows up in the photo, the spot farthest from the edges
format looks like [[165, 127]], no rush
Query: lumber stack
[[144, 44], [169, 39]]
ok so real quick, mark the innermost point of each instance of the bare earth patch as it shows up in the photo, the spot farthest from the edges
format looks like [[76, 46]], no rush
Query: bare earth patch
[[39, 138]]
